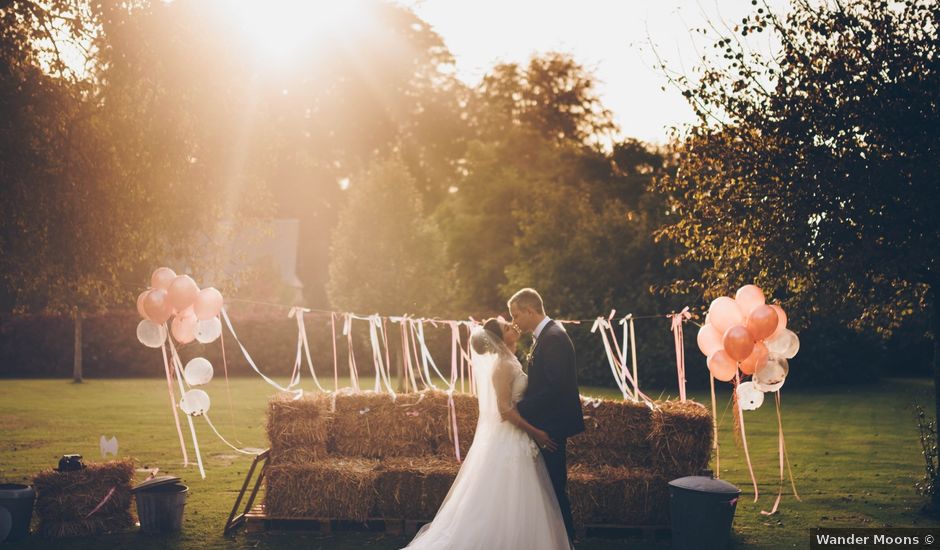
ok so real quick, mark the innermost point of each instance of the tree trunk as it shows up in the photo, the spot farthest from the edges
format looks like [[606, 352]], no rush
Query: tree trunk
[[935, 329], [77, 354]]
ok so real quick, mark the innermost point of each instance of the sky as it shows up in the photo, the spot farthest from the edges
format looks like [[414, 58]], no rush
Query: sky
[[613, 38]]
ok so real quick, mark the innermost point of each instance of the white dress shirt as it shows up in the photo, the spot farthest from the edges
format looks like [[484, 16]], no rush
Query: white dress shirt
[[541, 325]]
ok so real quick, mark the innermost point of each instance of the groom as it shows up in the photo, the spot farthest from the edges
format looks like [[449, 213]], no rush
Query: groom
[[551, 401]]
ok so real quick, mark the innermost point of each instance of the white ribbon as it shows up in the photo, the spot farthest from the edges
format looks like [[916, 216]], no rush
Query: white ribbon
[[297, 393]]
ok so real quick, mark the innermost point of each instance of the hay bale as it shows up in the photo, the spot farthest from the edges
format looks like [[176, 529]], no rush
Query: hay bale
[[608, 495], [681, 438], [298, 430], [336, 488], [616, 433], [373, 425], [411, 488], [64, 499]]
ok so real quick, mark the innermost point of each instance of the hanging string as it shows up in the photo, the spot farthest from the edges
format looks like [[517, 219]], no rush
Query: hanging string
[[676, 327], [176, 414], [740, 415]]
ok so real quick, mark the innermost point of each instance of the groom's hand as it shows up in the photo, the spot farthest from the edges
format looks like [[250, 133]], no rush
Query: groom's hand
[[544, 441]]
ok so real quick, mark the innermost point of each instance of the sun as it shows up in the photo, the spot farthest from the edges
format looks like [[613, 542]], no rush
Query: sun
[[279, 29]]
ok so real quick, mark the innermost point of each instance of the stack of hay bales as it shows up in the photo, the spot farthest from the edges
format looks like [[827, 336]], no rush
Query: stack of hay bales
[[64, 500], [358, 456]]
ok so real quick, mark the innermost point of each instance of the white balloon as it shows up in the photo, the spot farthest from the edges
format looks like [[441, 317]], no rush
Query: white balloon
[[772, 376], [198, 371], [749, 397], [151, 334], [209, 330], [195, 402], [785, 344]]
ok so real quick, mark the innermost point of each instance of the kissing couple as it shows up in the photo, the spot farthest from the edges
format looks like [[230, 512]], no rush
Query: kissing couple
[[511, 490]]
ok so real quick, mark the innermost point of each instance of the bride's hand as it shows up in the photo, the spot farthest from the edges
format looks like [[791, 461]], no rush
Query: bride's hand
[[543, 441]]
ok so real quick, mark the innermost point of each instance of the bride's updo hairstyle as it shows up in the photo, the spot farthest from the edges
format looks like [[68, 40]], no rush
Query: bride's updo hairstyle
[[480, 344]]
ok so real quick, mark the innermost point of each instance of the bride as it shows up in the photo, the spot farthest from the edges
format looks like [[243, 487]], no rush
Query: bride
[[502, 497]]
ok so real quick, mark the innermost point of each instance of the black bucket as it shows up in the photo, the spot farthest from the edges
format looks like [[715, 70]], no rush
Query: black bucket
[[16, 510], [160, 508], [702, 510]]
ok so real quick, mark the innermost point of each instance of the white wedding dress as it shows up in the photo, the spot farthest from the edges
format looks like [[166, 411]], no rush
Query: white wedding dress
[[502, 497]]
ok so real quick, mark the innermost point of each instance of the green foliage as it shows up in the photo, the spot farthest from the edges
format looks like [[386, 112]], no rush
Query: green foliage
[[813, 173], [386, 256]]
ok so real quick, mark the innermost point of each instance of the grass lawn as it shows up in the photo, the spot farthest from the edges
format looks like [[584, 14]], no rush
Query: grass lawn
[[854, 452]]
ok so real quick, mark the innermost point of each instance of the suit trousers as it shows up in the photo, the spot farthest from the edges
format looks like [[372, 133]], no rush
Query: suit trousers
[[557, 466]]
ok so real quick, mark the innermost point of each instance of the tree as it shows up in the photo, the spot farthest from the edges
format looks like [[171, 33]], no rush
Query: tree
[[99, 183], [386, 256], [812, 172]]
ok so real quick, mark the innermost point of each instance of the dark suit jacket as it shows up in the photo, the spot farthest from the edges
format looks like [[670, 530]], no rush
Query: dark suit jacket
[[551, 401]]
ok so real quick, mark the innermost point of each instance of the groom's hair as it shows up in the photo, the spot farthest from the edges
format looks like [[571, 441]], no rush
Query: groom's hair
[[528, 298]]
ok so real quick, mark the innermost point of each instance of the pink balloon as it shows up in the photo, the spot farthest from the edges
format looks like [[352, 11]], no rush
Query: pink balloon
[[140, 304], [208, 303], [762, 322], [183, 328], [709, 340], [724, 313], [183, 292], [722, 366], [749, 297], [738, 342], [162, 277], [756, 360], [157, 306], [781, 320]]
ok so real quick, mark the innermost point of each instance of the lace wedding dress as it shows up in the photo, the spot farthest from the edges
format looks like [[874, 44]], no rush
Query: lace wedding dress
[[502, 497]]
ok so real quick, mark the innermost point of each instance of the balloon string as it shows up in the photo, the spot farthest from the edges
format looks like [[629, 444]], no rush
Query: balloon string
[[176, 415], [189, 419], [747, 454], [715, 427], [228, 390], [233, 447]]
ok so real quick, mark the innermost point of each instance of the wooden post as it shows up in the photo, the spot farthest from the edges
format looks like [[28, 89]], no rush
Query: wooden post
[[77, 353]]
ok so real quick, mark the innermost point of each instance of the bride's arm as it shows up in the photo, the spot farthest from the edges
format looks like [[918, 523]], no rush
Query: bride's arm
[[502, 383]]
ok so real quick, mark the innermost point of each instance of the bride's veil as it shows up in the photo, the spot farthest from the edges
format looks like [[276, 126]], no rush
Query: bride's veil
[[487, 352]]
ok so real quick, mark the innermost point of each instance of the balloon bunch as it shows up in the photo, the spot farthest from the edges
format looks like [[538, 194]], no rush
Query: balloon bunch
[[747, 334], [195, 312], [195, 315]]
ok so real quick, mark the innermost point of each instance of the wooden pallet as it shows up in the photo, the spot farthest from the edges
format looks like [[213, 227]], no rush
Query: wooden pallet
[[646, 532], [258, 521]]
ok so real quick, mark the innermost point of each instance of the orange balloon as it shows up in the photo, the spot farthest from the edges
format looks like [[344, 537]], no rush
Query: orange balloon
[[208, 303], [709, 339], [157, 306], [756, 360], [162, 277], [738, 342], [749, 297], [781, 320], [762, 322], [183, 292], [140, 304], [722, 366]]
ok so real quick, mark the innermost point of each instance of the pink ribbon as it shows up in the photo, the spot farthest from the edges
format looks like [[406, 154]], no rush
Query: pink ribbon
[[782, 449], [176, 415], [104, 501], [453, 419], [740, 413], [228, 391], [335, 361], [677, 320]]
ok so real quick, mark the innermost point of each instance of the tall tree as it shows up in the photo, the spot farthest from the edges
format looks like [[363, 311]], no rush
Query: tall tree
[[386, 256], [812, 170]]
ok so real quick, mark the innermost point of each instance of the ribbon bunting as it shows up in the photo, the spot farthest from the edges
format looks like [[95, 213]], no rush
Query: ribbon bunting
[[677, 320]]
